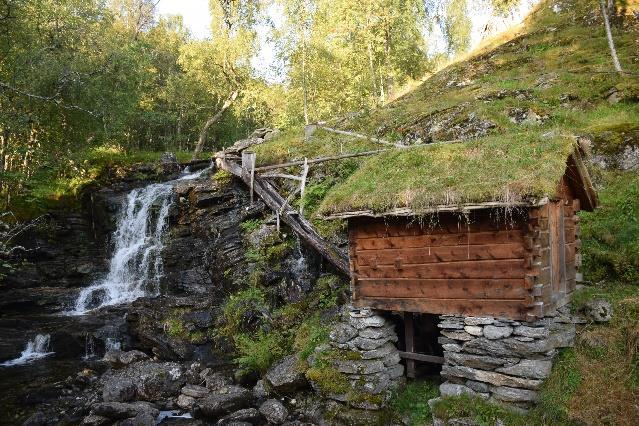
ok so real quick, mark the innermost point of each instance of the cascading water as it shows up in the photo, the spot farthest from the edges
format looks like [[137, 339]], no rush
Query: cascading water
[[136, 266], [36, 349]]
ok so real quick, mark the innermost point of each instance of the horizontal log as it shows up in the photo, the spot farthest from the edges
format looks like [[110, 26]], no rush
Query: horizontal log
[[513, 309], [436, 254], [422, 357], [319, 160], [467, 269], [404, 228], [443, 288], [425, 241]]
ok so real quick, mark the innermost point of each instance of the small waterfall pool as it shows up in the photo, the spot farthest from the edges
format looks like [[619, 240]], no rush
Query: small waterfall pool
[[35, 349], [135, 267]]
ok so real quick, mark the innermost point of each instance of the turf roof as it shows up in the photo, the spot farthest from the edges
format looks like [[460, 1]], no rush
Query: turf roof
[[479, 171]]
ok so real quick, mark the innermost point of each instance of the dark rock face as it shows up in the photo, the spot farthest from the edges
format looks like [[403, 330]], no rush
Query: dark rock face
[[147, 380], [224, 401]]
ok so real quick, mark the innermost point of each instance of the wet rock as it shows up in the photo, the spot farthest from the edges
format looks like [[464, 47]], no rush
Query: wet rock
[[223, 401], [598, 310], [122, 410], [274, 411], [119, 390], [214, 380], [95, 420], [37, 419], [285, 376], [246, 415], [195, 391], [186, 402], [142, 419]]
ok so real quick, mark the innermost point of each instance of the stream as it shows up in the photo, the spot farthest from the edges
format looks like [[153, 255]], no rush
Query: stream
[[52, 361]]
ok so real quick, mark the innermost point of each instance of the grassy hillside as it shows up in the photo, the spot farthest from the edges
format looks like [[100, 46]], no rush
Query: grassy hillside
[[520, 100]]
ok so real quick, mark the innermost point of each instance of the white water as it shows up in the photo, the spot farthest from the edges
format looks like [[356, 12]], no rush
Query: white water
[[36, 349], [135, 268]]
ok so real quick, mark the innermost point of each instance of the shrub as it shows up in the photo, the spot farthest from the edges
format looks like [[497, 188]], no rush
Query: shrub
[[237, 308], [258, 352]]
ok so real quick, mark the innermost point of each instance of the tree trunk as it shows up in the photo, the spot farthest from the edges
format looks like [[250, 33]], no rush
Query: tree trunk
[[211, 121], [305, 82], [611, 42]]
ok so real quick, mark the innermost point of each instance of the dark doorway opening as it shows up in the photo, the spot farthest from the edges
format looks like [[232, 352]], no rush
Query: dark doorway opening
[[418, 343]]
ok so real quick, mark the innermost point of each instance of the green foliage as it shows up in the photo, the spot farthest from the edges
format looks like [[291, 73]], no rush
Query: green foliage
[[309, 335], [559, 389], [411, 402], [610, 234], [251, 225], [259, 351], [236, 306], [481, 411]]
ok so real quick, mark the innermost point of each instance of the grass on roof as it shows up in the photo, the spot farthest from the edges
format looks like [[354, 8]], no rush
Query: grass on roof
[[455, 174]]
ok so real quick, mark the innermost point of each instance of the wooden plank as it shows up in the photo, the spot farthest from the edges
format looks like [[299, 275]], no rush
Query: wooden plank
[[298, 224], [396, 228], [440, 254], [555, 247], [500, 237], [514, 309], [513, 268], [409, 339], [421, 357], [318, 160], [443, 289]]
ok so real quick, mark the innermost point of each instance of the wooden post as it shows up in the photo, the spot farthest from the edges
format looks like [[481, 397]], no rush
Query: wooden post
[[277, 221], [409, 337], [248, 168], [303, 185]]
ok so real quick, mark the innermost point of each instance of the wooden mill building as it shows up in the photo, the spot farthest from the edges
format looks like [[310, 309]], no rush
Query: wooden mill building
[[516, 258]]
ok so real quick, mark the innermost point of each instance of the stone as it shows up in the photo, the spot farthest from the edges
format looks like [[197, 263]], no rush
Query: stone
[[508, 394], [380, 352], [95, 420], [36, 419], [153, 380], [285, 376], [195, 391], [246, 415], [122, 410], [480, 387], [214, 380], [452, 347], [260, 391], [342, 333], [453, 389], [366, 344], [474, 330], [364, 322], [223, 401], [396, 371], [391, 359], [360, 313], [142, 419], [598, 310], [493, 333], [534, 332], [274, 411], [118, 390], [359, 366], [478, 320], [529, 368], [482, 362], [497, 379], [112, 357], [457, 335], [130, 357], [377, 332], [452, 324], [186, 402]]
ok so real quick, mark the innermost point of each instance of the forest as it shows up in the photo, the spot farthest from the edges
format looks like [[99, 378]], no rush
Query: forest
[[82, 80]]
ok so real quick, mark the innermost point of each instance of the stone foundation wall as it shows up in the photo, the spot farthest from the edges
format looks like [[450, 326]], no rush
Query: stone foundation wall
[[363, 356], [501, 360]]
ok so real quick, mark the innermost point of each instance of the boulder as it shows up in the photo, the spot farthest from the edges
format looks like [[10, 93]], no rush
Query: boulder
[[119, 390], [152, 380], [186, 402], [122, 410], [246, 415], [259, 390], [285, 376], [214, 380], [274, 411], [142, 419], [223, 401], [130, 357], [195, 391], [598, 310], [95, 420]]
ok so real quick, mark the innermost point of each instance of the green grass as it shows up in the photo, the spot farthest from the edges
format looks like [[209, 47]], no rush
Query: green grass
[[610, 234], [411, 403]]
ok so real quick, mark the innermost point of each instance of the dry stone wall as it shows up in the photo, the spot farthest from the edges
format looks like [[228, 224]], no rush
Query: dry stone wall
[[502, 360]]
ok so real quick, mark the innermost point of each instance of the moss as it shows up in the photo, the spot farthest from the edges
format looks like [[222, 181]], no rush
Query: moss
[[175, 328], [329, 380], [259, 351], [482, 412], [235, 310], [251, 225], [222, 177], [411, 403]]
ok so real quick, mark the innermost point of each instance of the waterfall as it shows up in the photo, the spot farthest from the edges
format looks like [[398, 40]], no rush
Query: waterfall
[[36, 349], [135, 268]]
